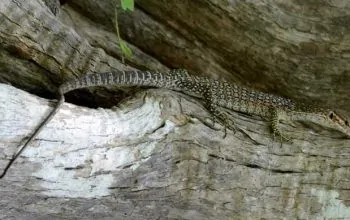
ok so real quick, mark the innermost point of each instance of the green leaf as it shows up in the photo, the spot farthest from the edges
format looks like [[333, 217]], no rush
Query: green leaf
[[127, 4], [125, 49]]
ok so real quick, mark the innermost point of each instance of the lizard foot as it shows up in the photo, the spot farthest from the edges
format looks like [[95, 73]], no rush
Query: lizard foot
[[275, 130], [283, 137], [224, 120]]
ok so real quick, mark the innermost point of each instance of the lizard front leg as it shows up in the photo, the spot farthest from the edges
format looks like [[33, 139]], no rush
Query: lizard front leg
[[275, 120]]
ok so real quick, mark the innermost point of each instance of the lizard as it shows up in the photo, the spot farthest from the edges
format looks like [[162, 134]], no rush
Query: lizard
[[215, 94]]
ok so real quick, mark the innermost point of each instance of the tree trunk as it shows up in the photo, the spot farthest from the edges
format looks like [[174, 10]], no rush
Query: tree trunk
[[157, 155]]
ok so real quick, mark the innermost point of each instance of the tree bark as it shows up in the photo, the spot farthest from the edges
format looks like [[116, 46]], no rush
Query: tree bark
[[152, 158], [155, 155]]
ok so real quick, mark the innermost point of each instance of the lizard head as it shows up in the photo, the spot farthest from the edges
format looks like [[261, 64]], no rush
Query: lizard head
[[332, 119], [339, 121], [323, 116]]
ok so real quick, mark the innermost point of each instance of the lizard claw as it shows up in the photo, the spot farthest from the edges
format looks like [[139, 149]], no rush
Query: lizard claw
[[283, 137], [275, 130], [226, 122]]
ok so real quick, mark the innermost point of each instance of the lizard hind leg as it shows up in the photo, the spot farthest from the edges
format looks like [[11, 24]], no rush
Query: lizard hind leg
[[220, 117]]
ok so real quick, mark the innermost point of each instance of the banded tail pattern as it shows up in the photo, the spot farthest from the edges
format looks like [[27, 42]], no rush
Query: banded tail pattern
[[171, 80]]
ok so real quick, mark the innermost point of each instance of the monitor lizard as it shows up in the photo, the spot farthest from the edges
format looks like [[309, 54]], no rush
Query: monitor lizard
[[215, 94]]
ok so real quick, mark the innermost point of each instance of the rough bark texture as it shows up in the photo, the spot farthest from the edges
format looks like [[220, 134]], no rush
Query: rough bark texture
[[151, 158], [148, 159]]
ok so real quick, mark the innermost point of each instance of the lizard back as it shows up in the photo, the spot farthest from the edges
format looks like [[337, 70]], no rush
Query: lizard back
[[220, 93]]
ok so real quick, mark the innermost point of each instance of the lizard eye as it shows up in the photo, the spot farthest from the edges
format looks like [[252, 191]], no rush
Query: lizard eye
[[331, 115], [346, 122]]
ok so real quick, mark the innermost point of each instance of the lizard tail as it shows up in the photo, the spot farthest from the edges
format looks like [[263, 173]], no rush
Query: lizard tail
[[36, 132], [124, 78]]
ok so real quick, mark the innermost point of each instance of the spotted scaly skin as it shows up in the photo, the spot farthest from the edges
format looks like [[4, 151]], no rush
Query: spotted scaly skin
[[218, 93], [215, 93]]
